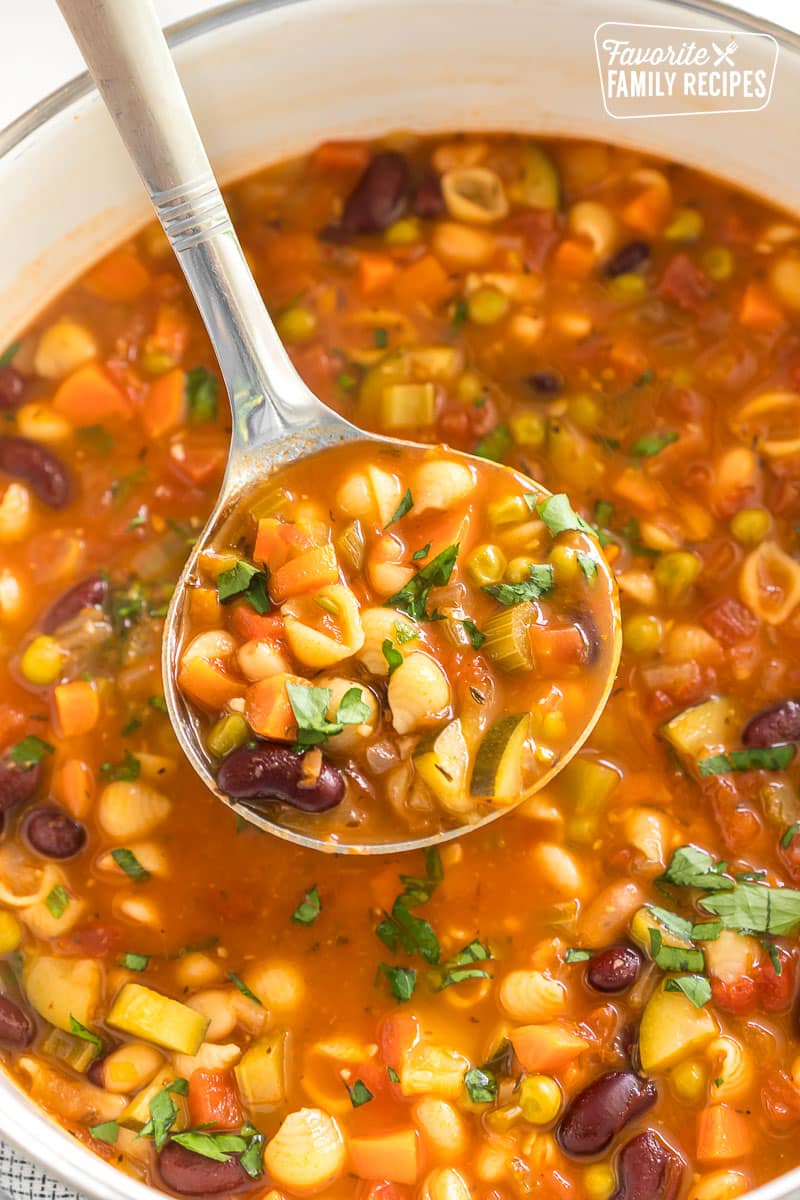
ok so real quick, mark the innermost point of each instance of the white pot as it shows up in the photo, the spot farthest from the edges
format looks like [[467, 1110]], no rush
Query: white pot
[[270, 79]]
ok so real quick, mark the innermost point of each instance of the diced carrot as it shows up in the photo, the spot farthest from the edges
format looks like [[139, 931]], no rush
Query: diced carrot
[[89, 395], [119, 277], [164, 407], [208, 684], [278, 541], [170, 333], [645, 493], [647, 211], [340, 156], [375, 272], [629, 356], [573, 259], [555, 649], [546, 1047], [199, 457], [446, 529], [723, 1134], [313, 569], [204, 607], [424, 282], [74, 786], [268, 710], [398, 1033], [214, 1100], [253, 626], [77, 707], [393, 1156], [758, 309]]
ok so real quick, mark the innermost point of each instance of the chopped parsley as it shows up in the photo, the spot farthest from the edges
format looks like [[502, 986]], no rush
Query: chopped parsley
[[393, 1076], [158, 703], [309, 907], [29, 752], [460, 313], [539, 581], [401, 928], [107, 1132], [651, 444], [574, 954], [405, 506], [8, 355], [557, 513], [310, 707], [587, 565], [137, 521], [243, 988], [163, 1113], [394, 658], [130, 726], [675, 958], [423, 552], [413, 597], [128, 770], [96, 439], [381, 338], [134, 962], [790, 834], [694, 987], [86, 1035], [404, 633], [481, 1085], [359, 1093], [756, 758], [473, 633], [461, 966], [129, 863], [495, 444], [57, 901], [202, 389], [346, 381], [754, 908], [246, 581], [692, 867], [402, 981]]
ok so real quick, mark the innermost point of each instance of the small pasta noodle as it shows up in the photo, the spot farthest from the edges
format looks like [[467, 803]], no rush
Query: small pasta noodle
[[769, 583], [532, 997], [732, 1071]]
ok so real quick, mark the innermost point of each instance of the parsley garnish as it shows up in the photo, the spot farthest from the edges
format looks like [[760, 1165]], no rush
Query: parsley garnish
[[96, 438], [575, 954], [404, 633], [202, 389], [401, 928], [675, 958], [692, 867], [587, 565], [163, 1112], [247, 581], [460, 313], [413, 598], [309, 907], [359, 1093], [423, 552], [129, 769], [57, 901], [405, 506], [30, 751], [790, 834], [134, 962], [539, 581], [8, 354], [243, 988], [130, 726], [473, 633], [393, 1076], [481, 1085], [756, 758], [346, 381], [652, 443], [694, 987], [557, 513], [496, 444], [158, 703], [394, 658], [402, 981], [129, 863], [381, 338], [310, 707], [107, 1132], [754, 908], [459, 968]]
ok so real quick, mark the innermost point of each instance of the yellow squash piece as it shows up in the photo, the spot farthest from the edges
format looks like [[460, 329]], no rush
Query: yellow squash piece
[[261, 1073], [155, 1018], [497, 773], [59, 988], [702, 730], [441, 761], [671, 1029]]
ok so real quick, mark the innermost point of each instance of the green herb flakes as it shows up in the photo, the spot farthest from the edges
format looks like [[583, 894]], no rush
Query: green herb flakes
[[309, 907], [394, 658], [359, 1093], [310, 707], [107, 1132], [134, 962], [539, 581], [481, 1086], [129, 863], [557, 513], [202, 389], [651, 444], [413, 597], [756, 758], [694, 987], [29, 752], [57, 901], [402, 981], [404, 507], [243, 988], [247, 582]]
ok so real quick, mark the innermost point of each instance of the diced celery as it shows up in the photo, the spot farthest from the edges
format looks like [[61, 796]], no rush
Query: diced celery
[[228, 733], [74, 1052], [350, 545], [147, 1014], [507, 643]]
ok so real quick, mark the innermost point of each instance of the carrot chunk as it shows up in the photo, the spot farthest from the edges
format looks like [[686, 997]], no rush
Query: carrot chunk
[[546, 1047], [573, 259], [723, 1134], [340, 156], [77, 707], [393, 1156], [637, 488], [119, 277], [268, 710], [252, 626], [556, 649], [74, 786], [208, 684], [375, 273], [89, 395], [214, 1100], [424, 282], [757, 309], [164, 407], [315, 568]]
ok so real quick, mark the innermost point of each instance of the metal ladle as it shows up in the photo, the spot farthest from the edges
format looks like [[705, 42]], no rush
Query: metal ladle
[[276, 419]]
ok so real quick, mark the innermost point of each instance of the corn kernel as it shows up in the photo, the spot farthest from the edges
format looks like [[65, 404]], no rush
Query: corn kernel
[[402, 232], [486, 564], [487, 306], [519, 569], [540, 1099], [599, 1181], [156, 362], [751, 525], [528, 428], [689, 1081], [686, 226], [42, 661], [642, 634], [296, 324], [718, 263], [584, 410], [10, 932], [509, 510], [566, 566], [629, 286]]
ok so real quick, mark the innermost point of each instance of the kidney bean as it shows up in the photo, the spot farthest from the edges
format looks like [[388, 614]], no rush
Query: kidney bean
[[48, 477], [194, 1175], [16, 1027], [17, 783], [779, 723], [629, 258], [95, 1071], [89, 593], [12, 389], [428, 200], [53, 833], [614, 970], [647, 1169], [546, 383], [602, 1109], [271, 771], [379, 197]]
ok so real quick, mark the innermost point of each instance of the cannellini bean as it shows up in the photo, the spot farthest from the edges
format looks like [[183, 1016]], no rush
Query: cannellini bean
[[532, 997], [419, 693], [130, 1067], [149, 855], [41, 922], [605, 918], [141, 910], [441, 485], [41, 423], [736, 475], [62, 348], [215, 645], [653, 834], [197, 970], [430, 1069], [784, 279], [209, 1057], [217, 1005], [461, 246], [380, 625], [442, 1128], [307, 1153], [279, 986], [258, 660], [719, 1185], [731, 955], [16, 515], [11, 595], [130, 809], [445, 1183]]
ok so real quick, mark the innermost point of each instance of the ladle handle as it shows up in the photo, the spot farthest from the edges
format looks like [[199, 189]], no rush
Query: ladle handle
[[127, 55]]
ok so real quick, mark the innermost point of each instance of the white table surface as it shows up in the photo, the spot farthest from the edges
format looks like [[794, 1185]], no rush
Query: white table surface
[[37, 53]]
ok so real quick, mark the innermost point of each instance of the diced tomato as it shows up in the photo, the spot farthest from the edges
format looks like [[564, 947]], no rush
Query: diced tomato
[[93, 941], [253, 626], [781, 1099], [738, 996], [684, 284], [214, 1100], [737, 822], [776, 992], [729, 621], [398, 1033], [382, 1189]]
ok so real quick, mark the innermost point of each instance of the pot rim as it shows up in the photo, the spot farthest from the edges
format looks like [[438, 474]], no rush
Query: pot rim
[[38, 1137]]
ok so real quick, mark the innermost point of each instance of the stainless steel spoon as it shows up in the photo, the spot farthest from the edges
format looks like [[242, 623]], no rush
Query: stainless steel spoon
[[276, 419]]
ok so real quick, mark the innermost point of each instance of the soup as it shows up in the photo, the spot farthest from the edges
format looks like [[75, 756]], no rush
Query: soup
[[594, 996]]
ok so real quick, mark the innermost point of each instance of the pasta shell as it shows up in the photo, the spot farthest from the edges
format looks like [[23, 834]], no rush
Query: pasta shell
[[131, 809], [307, 1153]]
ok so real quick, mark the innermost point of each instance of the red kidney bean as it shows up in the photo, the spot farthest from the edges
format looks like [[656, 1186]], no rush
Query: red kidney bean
[[629, 258], [779, 723], [47, 475], [17, 783], [614, 970], [12, 389], [194, 1175], [647, 1169], [271, 771], [95, 1071], [546, 383], [601, 1110], [379, 197], [89, 593], [16, 1027], [428, 200], [53, 833]]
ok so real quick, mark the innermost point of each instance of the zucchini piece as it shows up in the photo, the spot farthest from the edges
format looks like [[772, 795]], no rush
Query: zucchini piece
[[497, 773], [138, 1113], [702, 730], [73, 1052], [540, 186], [261, 1071], [586, 784], [147, 1014], [404, 405], [507, 643], [672, 1029], [441, 761]]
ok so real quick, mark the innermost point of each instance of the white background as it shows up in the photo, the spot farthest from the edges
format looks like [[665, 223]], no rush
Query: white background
[[37, 55]]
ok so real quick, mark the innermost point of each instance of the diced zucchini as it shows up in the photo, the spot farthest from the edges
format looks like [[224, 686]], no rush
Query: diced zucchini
[[74, 1052], [147, 1014], [586, 784], [540, 186], [702, 730], [671, 1029], [507, 643], [137, 1113], [497, 773], [261, 1071], [59, 988], [441, 761]]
